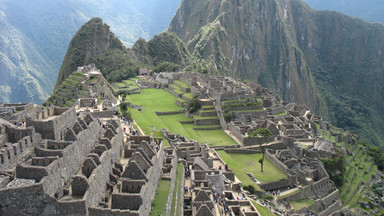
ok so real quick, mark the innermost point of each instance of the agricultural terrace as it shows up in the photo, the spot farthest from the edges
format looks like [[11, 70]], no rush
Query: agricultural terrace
[[160, 100], [241, 164]]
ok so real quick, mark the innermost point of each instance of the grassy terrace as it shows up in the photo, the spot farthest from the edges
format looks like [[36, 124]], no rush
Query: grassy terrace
[[131, 81], [264, 211], [176, 89], [208, 108], [160, 202], [121, 84], [299, 204], [208, 117], [162, 101], [280, 114], [182, 84], [243, 163], [357, 168], [188, 95]]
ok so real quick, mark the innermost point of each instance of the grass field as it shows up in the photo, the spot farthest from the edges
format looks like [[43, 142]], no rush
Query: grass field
[[159, 100], [160, 202], [243, 163]]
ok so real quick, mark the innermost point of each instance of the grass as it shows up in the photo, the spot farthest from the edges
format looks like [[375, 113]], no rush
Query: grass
[[188, 95], [176, 89], [176, 207], [264, 211], [160, 202], [243, 163], [160, 100], [207, 117], [182, 84], [290, 194], [280, 114], [121, 84], [299, 204]]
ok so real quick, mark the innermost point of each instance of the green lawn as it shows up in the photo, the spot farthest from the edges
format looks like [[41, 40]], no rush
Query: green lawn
[[160, 202], [159, 100], [299, 204], [243, 163], [264, 211]]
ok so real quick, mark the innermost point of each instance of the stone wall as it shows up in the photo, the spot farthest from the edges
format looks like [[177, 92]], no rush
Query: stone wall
[[55, 127], [213, 121], [333, 208], [282, 183], [277, 162], [95, 211], [173, 182], [322, 187], [153, 179], [100, 175], [168, 113], [102, 114], [14, 153]]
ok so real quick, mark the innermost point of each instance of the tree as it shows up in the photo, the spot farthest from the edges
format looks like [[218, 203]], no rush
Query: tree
[[265, 133], [194, 105]]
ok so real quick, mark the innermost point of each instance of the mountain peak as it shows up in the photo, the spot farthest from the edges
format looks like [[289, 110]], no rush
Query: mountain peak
[[91, 40]]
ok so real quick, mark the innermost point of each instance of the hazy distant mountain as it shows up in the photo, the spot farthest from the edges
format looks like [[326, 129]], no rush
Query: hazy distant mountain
[[369, 10], [34, 37]]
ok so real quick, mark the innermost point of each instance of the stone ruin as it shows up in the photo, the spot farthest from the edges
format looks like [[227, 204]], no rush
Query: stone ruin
[[252, 107], [55, 161]]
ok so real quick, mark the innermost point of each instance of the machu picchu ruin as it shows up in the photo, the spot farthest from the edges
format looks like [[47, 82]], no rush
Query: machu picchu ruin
[[136, 147]]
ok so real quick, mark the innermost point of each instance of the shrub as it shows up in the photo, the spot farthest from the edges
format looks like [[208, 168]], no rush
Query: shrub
[[268, 197], [250, 188], [194, 105], [228, 116]]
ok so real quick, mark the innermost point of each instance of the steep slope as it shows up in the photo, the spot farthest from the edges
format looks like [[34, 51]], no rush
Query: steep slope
[[35, 37], [93, 39], [369, 10], [324, 59], [95, 43]]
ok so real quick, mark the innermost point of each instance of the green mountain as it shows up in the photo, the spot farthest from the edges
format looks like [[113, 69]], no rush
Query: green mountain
[[95, 43], [369, 10], [34, 37], [328, 60]]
